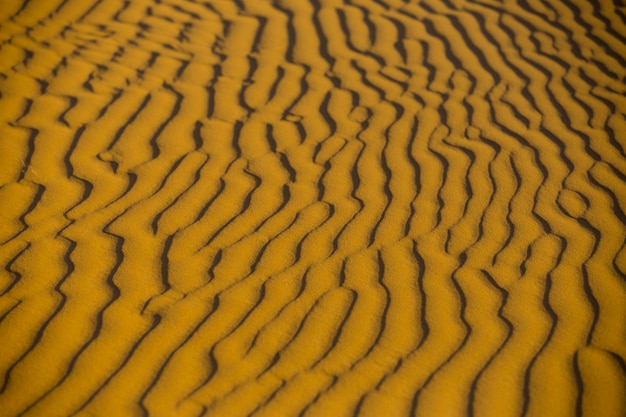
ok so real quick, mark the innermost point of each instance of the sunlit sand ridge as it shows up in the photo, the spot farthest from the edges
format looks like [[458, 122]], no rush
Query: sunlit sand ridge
[[312, 208]]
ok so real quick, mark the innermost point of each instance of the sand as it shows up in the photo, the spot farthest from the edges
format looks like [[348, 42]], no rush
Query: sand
[[312, 208]]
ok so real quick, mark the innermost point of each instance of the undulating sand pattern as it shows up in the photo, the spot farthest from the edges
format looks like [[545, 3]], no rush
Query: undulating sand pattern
[[313, 208]]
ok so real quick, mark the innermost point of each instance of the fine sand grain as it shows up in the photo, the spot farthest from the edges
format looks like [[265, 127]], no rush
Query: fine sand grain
[[312, 208]]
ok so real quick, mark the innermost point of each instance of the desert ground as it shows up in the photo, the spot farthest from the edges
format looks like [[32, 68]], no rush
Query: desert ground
[[316, 208]]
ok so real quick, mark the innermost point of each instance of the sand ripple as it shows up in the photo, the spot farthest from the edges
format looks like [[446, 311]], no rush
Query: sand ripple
[[312, 208]]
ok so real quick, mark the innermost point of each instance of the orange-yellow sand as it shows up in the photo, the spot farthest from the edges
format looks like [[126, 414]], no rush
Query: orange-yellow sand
[[312, 208]]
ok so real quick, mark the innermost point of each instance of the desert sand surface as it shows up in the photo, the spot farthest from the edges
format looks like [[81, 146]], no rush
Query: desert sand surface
[[326, 208]]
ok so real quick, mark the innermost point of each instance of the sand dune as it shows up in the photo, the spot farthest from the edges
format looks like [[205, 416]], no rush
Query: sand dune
[[312, 208]]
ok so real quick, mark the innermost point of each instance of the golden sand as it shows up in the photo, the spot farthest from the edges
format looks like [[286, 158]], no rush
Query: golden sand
[[312, 208]]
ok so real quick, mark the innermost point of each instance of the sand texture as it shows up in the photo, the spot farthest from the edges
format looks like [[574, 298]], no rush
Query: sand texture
[[374, 208]]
